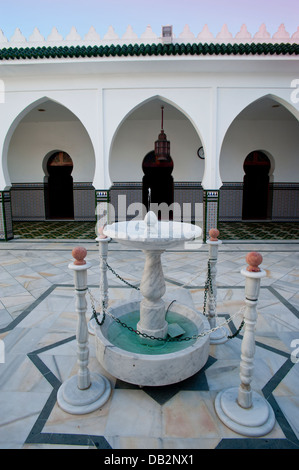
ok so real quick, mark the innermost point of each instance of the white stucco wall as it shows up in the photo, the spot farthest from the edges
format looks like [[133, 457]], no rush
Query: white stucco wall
[[136, 138], [118, 103], [31, 142], [278, 139], [22, 95], [209, 91]]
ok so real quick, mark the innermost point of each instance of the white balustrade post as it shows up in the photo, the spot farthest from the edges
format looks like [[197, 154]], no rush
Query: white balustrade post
[[242, 409], [84, 392], [103, 241], [218, 336]]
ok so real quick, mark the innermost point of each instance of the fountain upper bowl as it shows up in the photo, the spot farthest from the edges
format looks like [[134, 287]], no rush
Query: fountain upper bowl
[[151, 234]]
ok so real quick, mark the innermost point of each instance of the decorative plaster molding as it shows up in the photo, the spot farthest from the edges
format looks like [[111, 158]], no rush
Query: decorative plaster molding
[[149, 34], [92, 38], [54, 36], [224, 35], [18, 37], [111, 35], [129, 35], [295, 36]]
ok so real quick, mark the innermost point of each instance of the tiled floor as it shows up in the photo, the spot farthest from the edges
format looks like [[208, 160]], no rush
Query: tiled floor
[[38, 327], [228, 230], [54, 230], [259, 230]]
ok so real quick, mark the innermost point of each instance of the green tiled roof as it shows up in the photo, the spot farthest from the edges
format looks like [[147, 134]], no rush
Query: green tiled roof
[[148, 50]]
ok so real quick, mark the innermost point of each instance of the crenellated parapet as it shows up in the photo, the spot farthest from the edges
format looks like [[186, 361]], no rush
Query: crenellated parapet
[[92, 38]]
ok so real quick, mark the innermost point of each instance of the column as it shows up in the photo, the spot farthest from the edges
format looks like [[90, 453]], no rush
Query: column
[[240, 408], [152, 307], [218, 336], [85, 392], [102, 207], [103, 241], [6, 226], [210, 215]]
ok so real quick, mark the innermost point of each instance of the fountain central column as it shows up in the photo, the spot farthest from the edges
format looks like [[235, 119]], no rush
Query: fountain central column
[[152, 307]]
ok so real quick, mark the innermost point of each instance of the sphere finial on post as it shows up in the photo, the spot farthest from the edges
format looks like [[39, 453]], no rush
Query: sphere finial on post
[[214, 234], [79, 253], [84, 392], [254, 259], [242, 409]]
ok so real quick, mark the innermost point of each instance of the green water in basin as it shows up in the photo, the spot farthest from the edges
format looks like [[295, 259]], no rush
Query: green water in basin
[[130, 341]]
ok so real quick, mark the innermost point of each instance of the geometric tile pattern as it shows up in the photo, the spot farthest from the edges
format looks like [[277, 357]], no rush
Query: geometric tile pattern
[[259, 230], [37, 294], [228, 230], [168, 400], [55, 230]]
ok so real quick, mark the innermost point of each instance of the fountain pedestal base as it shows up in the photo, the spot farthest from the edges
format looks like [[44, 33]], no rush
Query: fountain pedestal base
[[154, 369], [152, 320]]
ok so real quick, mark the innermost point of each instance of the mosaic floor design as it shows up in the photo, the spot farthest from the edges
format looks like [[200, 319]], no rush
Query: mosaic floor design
[[228, 230], [55, 230], [259, 230], [178, 416], [38, 326]]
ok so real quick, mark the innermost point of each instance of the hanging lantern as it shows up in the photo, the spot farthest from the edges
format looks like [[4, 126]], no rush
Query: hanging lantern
[[162, 145]]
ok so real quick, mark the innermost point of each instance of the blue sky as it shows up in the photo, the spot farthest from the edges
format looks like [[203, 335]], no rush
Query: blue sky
[[45, 14]]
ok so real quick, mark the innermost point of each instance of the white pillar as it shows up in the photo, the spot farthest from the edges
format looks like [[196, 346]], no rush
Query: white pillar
[[103, 253], [218, 336], [152, 307], [85, 392], [242, 409]]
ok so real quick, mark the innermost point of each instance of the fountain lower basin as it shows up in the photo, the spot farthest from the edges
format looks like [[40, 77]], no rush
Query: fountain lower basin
[[158, 367], [153, 237]]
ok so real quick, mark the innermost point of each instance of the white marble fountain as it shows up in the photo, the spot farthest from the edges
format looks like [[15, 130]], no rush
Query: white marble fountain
[[137, 358]]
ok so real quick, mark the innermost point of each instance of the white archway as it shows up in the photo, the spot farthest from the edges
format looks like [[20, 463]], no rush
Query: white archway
[[63, 112], [269, 125], [36, 133], [136, 133]]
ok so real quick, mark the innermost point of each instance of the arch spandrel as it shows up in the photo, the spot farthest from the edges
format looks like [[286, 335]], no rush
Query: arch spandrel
[[147, 106], [20, 115]]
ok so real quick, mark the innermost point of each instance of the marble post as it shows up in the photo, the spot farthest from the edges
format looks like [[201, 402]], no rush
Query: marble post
[[85, 392], [103, 241], [152, 307], [218, 336], [242, 409]]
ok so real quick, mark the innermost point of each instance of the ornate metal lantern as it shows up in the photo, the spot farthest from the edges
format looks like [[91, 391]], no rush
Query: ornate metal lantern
[[162, 145]]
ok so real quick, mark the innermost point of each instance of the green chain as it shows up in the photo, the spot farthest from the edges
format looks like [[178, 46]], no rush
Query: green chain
[[121, 278], [208, 285]]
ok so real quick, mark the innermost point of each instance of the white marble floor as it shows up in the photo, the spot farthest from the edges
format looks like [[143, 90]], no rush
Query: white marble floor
[[37, 332]]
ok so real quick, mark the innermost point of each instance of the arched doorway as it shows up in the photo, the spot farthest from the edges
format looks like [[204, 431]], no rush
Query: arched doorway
[[158, 180], [59, 190], [256, 187], [134, 139]]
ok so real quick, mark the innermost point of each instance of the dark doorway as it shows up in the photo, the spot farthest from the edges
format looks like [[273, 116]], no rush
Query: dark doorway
[[60, 203], [158, 179], [256, 187]]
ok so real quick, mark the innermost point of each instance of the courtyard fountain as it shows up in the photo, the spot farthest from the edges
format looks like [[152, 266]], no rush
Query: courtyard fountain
[[149, 344]]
